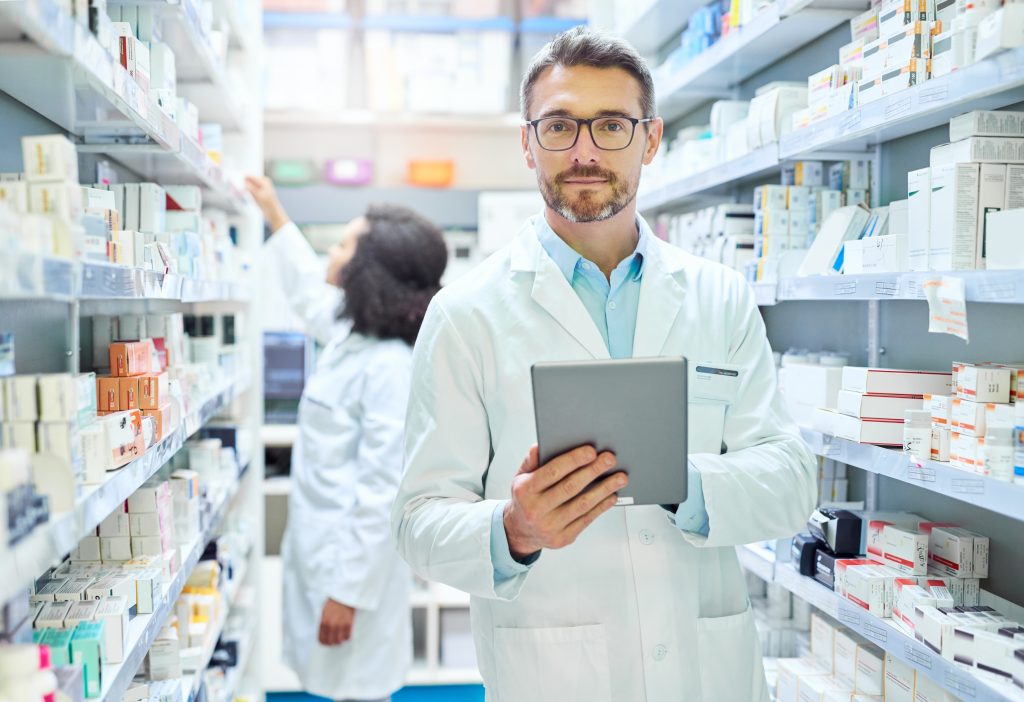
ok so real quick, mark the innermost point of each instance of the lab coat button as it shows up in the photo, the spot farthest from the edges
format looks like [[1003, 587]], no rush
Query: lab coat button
[[612, 305], [660, 652], [646, 537]]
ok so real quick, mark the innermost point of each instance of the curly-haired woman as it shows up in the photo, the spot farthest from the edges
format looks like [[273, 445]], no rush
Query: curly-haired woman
[[346, 614]]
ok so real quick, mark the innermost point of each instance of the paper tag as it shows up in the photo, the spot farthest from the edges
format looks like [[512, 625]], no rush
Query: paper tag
[[947, 306], [623, 501]]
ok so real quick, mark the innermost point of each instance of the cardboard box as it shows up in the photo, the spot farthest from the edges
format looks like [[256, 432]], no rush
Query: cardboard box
[[943, 60], [87, 650], [983, 383], [955, 551], [88, 549], [113, 613], [967, 452], [1002, 30], [790, 672], [886, 407], [20, 402], [865, 26], [877, 254], [52, 615], [941, 408], [899, 547], [1004, 239], [884, 381], [870, 670], [823, 633], [999, 123], [900, 680], [124, 437], [954, 216], [116, 524], [968, 417], [115, 549], [74, 589], [153, 391], [878, 432], [51, 158], [979, 150], [907, 595], [919, 191], [150, 498], [128, 358], [991, 198], [846, 645], [841, 568], [84, 611], [870, 588], [128, 393]]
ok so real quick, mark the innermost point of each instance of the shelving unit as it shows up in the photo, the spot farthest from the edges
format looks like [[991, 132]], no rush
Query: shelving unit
[[662, 21], [766, 38], [60, 78], [883, 632]]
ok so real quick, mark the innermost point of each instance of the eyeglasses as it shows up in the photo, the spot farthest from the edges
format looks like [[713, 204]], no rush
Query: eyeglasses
[[607, 133]]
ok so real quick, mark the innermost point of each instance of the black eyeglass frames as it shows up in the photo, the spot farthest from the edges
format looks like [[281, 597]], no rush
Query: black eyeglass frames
[[607, 133]]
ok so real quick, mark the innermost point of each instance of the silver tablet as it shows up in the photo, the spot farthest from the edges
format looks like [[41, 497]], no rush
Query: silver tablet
[[635, 408]]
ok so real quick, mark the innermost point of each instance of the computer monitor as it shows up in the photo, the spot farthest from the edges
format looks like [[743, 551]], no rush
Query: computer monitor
[[288, 359]]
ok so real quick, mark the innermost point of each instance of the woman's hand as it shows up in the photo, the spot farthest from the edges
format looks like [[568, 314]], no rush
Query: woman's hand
[[336, 623], [262, 190]]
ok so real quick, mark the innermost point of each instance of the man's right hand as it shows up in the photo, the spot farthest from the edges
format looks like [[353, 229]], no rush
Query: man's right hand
[[551, 504]]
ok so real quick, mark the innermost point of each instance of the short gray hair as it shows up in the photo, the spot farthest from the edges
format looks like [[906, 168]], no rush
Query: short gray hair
[[581, 46]]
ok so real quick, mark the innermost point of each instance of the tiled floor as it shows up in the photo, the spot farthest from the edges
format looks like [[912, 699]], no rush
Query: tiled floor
[[440, 693]]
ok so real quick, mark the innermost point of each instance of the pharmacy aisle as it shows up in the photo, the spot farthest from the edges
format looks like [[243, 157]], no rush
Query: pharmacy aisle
[[129, 462], [865, 173]]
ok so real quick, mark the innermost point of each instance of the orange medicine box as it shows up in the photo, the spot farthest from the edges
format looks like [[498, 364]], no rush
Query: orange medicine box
[[152, 391], [129, 358], [108, 395], [128, 392], [163, 419]]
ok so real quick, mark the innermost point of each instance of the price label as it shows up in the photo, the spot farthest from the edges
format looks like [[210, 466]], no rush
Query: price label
[[876, 632], [886, 289], [921, 474], [932, 93], [845, 289], [918, 657], [998, 292], [960, 684], [968, 486], [897, 108], [849, 616], [850, 123]]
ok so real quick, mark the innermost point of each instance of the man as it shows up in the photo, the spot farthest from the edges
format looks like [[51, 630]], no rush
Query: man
[[572, 599]]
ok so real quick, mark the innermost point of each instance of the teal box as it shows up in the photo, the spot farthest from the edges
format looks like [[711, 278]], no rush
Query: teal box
[[59, 641], [38, 635], [87, 651]]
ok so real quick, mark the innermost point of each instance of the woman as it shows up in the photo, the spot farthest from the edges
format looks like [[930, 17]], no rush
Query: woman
[[346, 613]]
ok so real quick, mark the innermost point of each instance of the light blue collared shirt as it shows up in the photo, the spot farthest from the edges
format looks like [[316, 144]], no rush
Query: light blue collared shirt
[[613, 304]]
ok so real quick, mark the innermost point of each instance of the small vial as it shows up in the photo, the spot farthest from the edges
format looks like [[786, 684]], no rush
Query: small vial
[[917, 434]]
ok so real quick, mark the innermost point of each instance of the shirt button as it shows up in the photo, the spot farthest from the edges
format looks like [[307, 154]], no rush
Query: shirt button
[[612, 305], [659, 652], [586, 266], [646, 537]]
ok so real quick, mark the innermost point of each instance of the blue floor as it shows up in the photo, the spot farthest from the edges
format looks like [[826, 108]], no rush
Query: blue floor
[[438, 693]]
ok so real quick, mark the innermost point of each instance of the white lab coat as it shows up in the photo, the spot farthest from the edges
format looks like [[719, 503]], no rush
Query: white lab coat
[[635, 609], [346, 465]]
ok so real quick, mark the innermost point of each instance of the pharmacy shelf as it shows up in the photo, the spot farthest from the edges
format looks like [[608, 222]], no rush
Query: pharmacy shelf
[[716, 181], [50, 542], [773, 34], [991, 84], [66, 76], [277, 487], [392, 121], [279, 435], [661, 22], [202, 75], [142, 631], [886, 635], [977, 490], [63, 280], [1001, 287], [757, 560]]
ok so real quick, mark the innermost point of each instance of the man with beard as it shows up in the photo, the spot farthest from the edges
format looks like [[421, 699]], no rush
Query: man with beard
[[575, 599]]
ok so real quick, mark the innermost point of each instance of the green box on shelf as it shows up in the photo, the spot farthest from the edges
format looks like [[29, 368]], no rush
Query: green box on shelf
[[87, 651]]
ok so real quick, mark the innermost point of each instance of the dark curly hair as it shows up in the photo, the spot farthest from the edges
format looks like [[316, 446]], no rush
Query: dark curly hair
[[395, 272]]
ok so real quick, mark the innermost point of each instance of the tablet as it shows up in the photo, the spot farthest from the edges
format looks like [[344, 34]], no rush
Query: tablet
[[635, 408]]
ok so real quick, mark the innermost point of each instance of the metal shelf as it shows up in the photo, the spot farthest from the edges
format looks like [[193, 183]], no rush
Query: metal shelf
[[381, 121], [987, 85], [420, 675], [1003, 287], [50, 542], [144, 628], [757, 560], [766, 38], [886, 635], [718, 180], [662, 21], [66, 76], [65, 280], [977, 490]]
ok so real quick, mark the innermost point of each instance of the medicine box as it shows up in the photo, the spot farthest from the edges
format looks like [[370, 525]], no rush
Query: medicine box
[[982, 383], [919, 218], [954, 216], [968, 417]]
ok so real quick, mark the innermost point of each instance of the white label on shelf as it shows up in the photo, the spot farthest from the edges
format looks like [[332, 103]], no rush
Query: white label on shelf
[[933, 93], [851, 122], [886, 289], [875, 631], [842, 289], [919, 473], [997, 291], [849, 615], [898, 107], [961, 684], [917, 656], [968, 486]]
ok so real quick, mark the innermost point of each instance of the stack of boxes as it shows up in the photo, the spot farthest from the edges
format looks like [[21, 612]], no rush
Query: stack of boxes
[[22, 507], [872, 403], [980, 172], [973, 427], [136, 383]]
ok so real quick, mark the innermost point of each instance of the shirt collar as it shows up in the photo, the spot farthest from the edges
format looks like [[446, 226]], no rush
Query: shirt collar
[[567, 259]]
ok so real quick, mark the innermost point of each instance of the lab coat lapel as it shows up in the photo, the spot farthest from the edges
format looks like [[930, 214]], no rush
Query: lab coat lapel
[[661, 299], [552, 292]]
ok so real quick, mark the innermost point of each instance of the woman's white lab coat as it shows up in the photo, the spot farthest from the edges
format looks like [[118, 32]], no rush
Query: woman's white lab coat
[[346, 466], [635, 609]]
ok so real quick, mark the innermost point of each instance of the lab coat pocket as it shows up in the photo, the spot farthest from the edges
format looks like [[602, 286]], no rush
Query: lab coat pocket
[[730, 659], [568, 664], [706, 420]]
